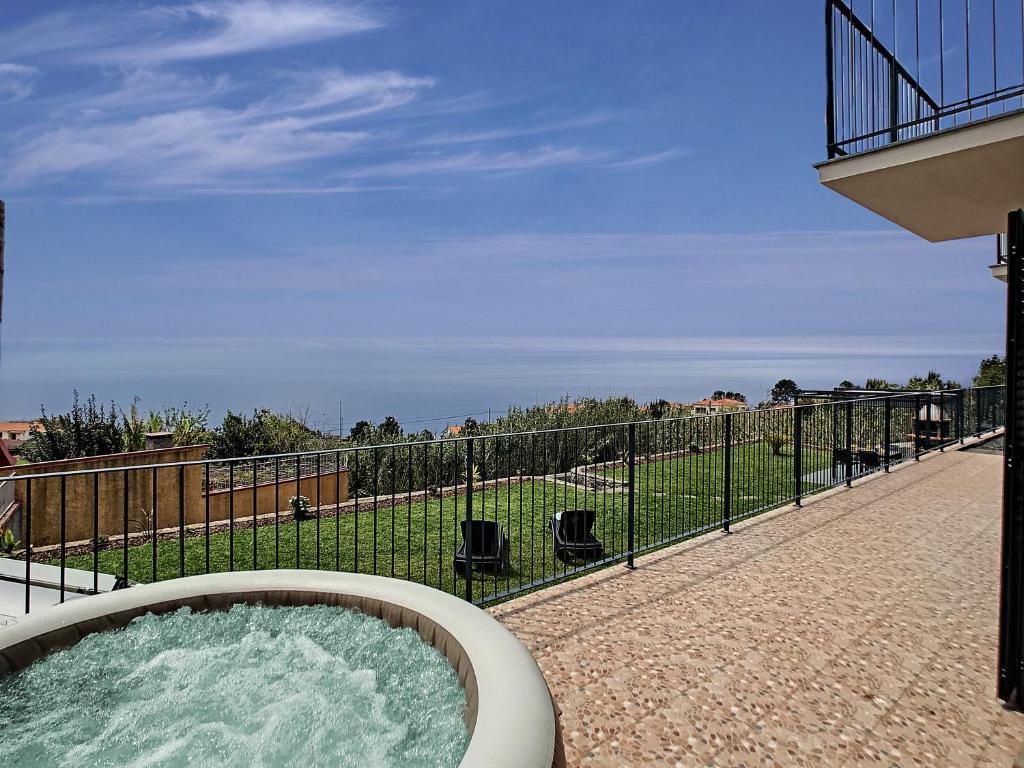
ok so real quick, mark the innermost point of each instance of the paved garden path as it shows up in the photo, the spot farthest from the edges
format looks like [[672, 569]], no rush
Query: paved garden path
[[859, 630]]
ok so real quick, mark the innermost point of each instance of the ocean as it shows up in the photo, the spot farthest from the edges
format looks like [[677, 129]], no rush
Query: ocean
[[430, 382]]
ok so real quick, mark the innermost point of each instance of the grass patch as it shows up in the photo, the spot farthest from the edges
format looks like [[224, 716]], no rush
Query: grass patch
[[417, 541]]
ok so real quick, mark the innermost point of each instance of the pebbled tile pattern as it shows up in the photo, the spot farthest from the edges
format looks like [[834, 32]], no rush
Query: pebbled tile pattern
[[859, 630]]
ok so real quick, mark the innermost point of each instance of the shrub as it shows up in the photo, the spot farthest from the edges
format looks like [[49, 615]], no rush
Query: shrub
[[266, 432], [776, 443], [85, 430], [8, 544], [241, 436], [188, 425]]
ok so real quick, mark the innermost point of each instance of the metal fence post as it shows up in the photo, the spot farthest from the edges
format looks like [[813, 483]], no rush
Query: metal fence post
[[928, 425], [977, 411], [830, 114], [887, 434], [728, 473], [469, 520], [631, 502], [917, 427], [798, 441], [894, 103], [942, 421], [849, 443], [28, 546], [960, 415]]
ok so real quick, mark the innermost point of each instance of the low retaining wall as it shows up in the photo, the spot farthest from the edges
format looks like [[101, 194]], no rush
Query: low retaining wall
[[333, 489]]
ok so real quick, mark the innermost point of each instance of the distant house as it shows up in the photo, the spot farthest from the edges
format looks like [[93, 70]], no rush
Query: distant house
[[563, 407], [14, 434], [452, 430], [724, 405]]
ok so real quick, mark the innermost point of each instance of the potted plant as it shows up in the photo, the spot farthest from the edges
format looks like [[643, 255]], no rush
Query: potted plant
[[300, 507]]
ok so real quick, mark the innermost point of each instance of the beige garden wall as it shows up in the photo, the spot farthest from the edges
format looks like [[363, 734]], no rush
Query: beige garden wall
[[94, 503]]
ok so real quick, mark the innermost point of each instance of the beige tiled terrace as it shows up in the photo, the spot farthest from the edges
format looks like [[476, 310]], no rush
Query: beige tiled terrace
[[858, 630]]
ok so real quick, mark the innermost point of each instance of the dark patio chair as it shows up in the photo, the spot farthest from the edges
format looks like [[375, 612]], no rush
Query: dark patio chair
[[489, 548], [573, 533], [870, 461], [840, 456], [840, 459]]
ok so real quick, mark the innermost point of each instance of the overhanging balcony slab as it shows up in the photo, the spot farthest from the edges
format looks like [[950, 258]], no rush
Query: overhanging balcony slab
[[959, 182]]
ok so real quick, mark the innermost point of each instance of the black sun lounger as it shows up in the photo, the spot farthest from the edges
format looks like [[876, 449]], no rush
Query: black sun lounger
[[485, 545], [573, 532]]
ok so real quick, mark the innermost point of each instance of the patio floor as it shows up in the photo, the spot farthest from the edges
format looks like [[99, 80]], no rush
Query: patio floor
[[859, 630]]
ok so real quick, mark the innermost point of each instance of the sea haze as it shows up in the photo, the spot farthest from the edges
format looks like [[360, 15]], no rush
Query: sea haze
[[427, 383]]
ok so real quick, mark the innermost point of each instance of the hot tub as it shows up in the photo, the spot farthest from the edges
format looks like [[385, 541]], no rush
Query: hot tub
[[508, 714]]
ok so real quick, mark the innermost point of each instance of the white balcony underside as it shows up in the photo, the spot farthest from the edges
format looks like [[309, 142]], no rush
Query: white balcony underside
[[956, 183]]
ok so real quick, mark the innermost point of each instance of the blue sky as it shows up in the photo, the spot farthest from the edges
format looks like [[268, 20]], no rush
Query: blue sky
[[246, 169]]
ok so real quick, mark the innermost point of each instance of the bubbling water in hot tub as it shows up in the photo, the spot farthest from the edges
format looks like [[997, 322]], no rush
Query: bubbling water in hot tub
[[251, 686]]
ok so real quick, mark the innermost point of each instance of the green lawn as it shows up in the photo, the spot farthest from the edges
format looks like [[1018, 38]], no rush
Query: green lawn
[[417, 541]]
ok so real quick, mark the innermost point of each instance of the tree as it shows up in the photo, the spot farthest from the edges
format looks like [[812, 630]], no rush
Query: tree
[[846, 384], [85, 430], [784, 391], [241, 436], [880, 384], [389, 429], [720, 394], [470, 427], [931, 382], [991, 372], [658, 409], [362, 432]]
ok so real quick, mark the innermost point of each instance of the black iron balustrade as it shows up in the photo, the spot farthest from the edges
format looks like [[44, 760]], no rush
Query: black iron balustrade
[[903, 69], [477, 516]]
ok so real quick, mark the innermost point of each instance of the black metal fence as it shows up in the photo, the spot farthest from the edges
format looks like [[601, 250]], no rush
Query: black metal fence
[[484, 517], [900, 69]]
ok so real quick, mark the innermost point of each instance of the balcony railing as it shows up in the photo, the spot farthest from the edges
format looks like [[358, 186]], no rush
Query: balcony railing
[[903, 69], [407, 510]]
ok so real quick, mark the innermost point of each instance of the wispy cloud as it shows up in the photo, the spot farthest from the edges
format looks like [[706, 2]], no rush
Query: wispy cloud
[[665, 284], [145, 89], [505, 162], [511, 132], [197, 30], [362, 93], [185, 148], [590, 260], [644, 161], [210, 146], [16, 81], [157, 120]]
